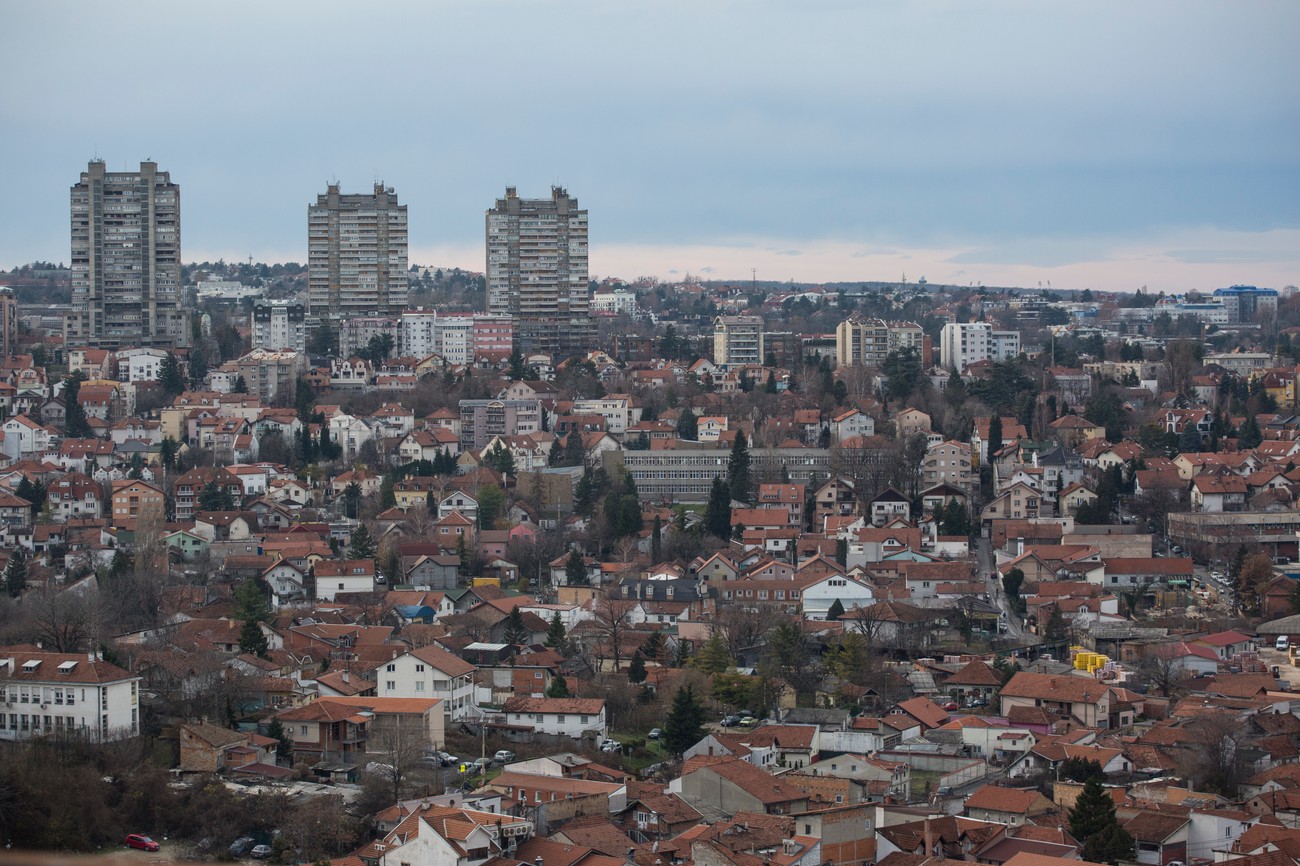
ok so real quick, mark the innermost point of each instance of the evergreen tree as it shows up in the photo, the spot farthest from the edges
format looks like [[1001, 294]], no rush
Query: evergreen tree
[[557, 637], [167, 453], [363, 545], [688, 426], [713, 657], [738, 470], [491, 506], [198, 368], [351, 499], [1111, 845], [654, 647], [558, 688], [75, 425], [575, 570], [500, 459], [462, 553], [995, 435], [656, 540], [240, 386], [836, 611], [215, 498], [516, 632], [717, 514], [1056, 628], [636, 670], [15, 573], [1093, 822], [554, 457], [252, 640], [685, 724], [575, 454], [283, 745], [251, 600], [27, 490], [171, 378]]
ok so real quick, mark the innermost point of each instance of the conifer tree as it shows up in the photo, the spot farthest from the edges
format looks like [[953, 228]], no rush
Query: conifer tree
[[713, 657], [363, 545], [738, 470], [836, 610], [717, 514], [516, 632], [1093, 811], [636, 672], [575, 570], [75, 425], [252, 640], [15, 573], [685, 724], [688, 425], [557, 637], [558, 688]]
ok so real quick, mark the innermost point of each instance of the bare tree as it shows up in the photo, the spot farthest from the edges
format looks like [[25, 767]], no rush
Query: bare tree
[[64, 621], [1162, 669], [1213, 756], [400, 745], [610, 620], [744, 628], [869, 622]]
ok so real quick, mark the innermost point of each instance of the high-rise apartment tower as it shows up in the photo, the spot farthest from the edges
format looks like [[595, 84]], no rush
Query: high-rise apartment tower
[[126, 260], [8, 322], [537, 271], [356, 255]]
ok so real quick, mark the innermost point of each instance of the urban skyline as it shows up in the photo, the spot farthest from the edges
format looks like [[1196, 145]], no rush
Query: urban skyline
[[974, 146]]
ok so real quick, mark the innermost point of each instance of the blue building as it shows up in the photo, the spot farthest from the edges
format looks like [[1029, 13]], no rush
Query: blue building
[[1245, 303]]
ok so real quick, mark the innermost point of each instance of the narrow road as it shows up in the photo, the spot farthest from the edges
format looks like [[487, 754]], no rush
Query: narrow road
[[986, 562]]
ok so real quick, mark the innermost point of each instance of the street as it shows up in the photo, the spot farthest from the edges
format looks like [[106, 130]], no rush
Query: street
[[987, 563]]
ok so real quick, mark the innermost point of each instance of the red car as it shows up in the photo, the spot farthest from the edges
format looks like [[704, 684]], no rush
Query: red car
[[144, 843], [950, 706]]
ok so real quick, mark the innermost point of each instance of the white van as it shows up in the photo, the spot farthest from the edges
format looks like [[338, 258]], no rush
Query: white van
[[1281, 643]]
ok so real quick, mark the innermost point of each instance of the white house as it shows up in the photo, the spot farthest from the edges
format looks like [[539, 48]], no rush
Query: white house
[[429, 672], [818, 597], [570, 717], [23, 437], [140, 365], [349, 433], [850, 423], [342, 576], [459, 501], [53, 693]]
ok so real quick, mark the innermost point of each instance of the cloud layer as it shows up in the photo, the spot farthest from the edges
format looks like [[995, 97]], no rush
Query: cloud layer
[[990, 138]]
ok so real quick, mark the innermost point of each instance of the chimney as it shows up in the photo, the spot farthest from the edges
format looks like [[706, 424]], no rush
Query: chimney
[[929, 839], [537, 861], [347, 677]]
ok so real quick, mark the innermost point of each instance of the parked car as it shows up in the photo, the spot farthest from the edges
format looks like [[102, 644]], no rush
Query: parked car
[[261, 852], [611, 746], [748, 722], [477, 765], [655, 733], [730, 721], [143, 843], [241, 846], [950, 706], [505, 756]]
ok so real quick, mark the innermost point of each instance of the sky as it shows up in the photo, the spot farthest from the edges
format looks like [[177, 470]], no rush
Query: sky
[[1106, 145]]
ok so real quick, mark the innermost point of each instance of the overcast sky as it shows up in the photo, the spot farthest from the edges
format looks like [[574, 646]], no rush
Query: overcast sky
[[1102, 144]]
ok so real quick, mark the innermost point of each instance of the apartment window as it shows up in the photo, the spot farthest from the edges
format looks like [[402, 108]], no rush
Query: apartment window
[[391, 685], [302, 730], [560, 718], [419, 685], [391, 668], [419, 669]]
